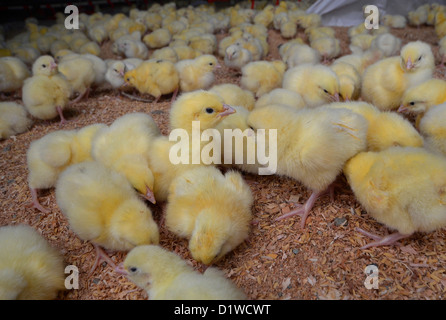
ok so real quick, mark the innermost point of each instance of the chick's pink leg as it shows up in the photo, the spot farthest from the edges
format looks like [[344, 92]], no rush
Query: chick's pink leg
[[101, 256], [62, 118], [388, 240], [35, 202]]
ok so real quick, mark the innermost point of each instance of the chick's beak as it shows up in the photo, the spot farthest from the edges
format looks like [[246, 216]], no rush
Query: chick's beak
[[409, 64], [120, 269], [402, 109], [227, 110], [336, 97], [121, 73], [53, 65], [150, 196], [218, 66]]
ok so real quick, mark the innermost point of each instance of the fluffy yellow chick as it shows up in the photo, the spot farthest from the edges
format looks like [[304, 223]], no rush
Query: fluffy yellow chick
[[298, 54], [157, 39], [418, 99], [210, 209], [312, 145], [90, 47], [48, 156], [132, 48], [236, 57], [233, 95], [13, 119], [261, 77], [79, 72], [30, 268], [265, 17], [440, 24], [13, 73], [385, 128], [328, 47], [349, 80], [197, 73], [165, 53], [166, 276], [384, 82], [433, 129], [26, 53], [102, 207], [403, 188], [417, 17], [395, 21], [306, 21], [155, 77], [316, 84], [361, 41], [124, 147], [387, 43], [281, 96], [46, 93]]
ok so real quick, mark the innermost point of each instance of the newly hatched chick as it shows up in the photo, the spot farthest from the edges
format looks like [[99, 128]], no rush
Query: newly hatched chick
[[102, 207], [155, 77], [166, 276], [328, 47], [210, 209], [236, 57], [13, 119], [124, 146], [13, 73], [433, 129], [46, 93], [233, 95], [312, 145], [79, 72], [387, 43], [281, 96], [298, 54], [48, 156], [316, 84], [197, 73], [30, 268], [116, 71], [395, 21], [403, 188], [442, 50], [384, 82], [261, 77], [157, 39], [133, 48], [349, 80], [417, 17]]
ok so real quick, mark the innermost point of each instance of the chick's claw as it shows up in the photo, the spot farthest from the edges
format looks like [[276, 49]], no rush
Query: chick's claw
[[388, 240], [101, 256]]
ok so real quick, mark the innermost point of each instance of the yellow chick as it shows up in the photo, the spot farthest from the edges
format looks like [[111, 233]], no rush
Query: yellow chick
[[417, 17], [132, 48], [314, 33], [433, 129], [384, 82], [116, 71], [166, 276], [418, 99], [442, 50], [349, 80], [210, 209], [233, 95], [236, 57], [46, 93], [184, 52], [361, 41], [13, 73], [102, 207], [204, 43], [197, 73], [385, 128], [312, 145], [26, 53], [440, 24], [281, 96], [265, 17], [288, 30], [387, 43], [48, 156], [90, 47], [155, 77], [13, 119], [165, 53], [79, 72], [402, 188], [30, 268], [395, 21], [298, 54], [306, 21], [124, 147], [157, 39], [316, 84], [261, 77], [328, 47]]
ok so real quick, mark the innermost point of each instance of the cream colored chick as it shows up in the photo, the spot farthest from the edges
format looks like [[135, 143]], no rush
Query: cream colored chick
[[13, 73], [281, 96], [124, 147], [386, 129], [387, 43], [306, 21], [440, 24], [13, 119], [328, 47], [46, 93], [210, 209], [236, 57], [433, 129], [132, 48], [155, 77], [26, 53], [385, 82], [402, 188], [157, 39], [166, 276], [102, 207], [417, 17], [312, 145], [361, 42], [117, 69], [79, 72], [233, 95], [316, 84], [48, 156], [349, 80], [299, 54], [197, 73], [30, 268], [261, 77], [165, 53], [265, 17]]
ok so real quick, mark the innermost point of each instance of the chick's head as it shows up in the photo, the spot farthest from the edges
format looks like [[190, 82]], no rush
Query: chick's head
[[130, 77], [327, 85], [417, 55], [208, 62], [200, 105], [118, 69], [45, 65]]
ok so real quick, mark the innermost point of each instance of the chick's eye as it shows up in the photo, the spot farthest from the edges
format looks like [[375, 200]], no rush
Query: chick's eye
[[133, 269], [419, 58], [209, 110], [211, 63], [412, 103], [43, 65], [325, 91]]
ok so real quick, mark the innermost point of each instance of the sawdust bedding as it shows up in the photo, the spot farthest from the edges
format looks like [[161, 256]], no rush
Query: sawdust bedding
[[279, 260]]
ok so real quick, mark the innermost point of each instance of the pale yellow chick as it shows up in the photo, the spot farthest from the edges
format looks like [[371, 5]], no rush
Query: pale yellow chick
[[403, 188], [30, 268], [316, 84], [236, 57], [210, 209], [197, 73], [13, 73], [46, 93], [281, 96], [261, 77], [433, 129], [349, 80], [166, 276], [298, 54], [13, 119], [312, 145], [440, 24], [157, 39], [396, 21], [102, 207], [233, 95], [79, 72]]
